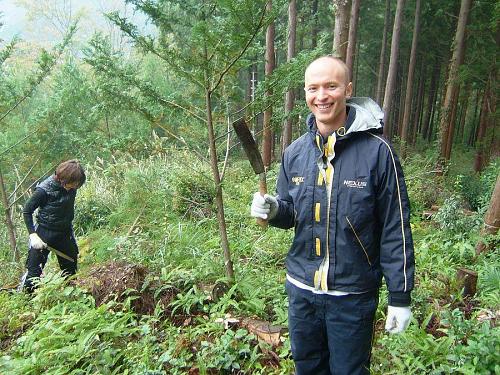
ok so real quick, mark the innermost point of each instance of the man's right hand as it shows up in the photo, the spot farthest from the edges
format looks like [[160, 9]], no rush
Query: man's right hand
[[264, 207], [36, 242]]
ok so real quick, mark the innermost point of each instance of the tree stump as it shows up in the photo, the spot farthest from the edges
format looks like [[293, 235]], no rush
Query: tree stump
[[215, 291], [265, 331], [467, 279]]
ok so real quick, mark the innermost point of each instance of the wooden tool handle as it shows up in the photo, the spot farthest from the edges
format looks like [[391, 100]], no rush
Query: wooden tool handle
[[262, 191]]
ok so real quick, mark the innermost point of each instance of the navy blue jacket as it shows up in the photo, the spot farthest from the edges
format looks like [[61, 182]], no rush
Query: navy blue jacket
[[58, 211], [346, 243]]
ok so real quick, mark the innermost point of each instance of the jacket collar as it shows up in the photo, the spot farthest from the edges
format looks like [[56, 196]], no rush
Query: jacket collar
[[363, 114]]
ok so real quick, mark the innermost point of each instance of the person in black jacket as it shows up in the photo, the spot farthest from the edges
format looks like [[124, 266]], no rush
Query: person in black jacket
[[55, 199], [341, 187]]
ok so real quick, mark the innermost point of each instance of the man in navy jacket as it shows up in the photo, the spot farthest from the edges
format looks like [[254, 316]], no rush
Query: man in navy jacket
[[342, 189]]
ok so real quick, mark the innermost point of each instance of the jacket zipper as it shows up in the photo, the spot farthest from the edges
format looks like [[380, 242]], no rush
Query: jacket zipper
[[326, 260], [359, 241]]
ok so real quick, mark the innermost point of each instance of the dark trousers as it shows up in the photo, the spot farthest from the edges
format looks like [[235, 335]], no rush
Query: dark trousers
[[62, 241], [331, 335]]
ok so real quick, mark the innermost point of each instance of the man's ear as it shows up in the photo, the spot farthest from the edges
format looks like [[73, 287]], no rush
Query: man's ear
[[348, 90]]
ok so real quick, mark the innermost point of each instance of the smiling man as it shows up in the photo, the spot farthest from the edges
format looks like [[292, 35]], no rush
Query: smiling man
[[342, 188], [327, 87]]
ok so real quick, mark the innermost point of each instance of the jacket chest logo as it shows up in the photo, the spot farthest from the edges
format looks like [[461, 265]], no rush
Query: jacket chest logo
[[297, 180], [356, 184]]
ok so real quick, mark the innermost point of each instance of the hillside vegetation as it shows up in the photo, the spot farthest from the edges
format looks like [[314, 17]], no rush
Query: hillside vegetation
[[156, 214], [174, 275]]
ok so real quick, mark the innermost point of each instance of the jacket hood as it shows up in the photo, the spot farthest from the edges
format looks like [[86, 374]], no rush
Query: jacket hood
[[369, 116]]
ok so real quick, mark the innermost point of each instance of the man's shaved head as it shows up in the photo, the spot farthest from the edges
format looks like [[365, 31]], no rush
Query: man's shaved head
[[327, 88], [326, 59]]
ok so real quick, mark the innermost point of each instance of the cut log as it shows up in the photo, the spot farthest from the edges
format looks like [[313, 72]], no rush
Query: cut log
[[265, 331], [228, 321], [214, 291], [493, 317]]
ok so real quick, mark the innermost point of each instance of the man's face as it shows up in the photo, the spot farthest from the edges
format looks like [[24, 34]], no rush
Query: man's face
[[326, 90]]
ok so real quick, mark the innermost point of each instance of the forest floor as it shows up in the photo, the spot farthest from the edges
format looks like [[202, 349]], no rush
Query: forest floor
[[150, 296]]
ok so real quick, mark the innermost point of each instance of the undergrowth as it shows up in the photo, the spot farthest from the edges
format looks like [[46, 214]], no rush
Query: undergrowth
[[159, 212]]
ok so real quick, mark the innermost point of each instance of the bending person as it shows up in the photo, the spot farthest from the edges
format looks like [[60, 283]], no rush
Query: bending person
[[55, 199]]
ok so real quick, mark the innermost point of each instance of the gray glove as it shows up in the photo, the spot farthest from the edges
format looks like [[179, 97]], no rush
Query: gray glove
[[398, 319], [264, 207], [36, 242]]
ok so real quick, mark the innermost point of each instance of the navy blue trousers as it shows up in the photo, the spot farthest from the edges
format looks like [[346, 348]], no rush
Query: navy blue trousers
[[331, 335], [64, 242]]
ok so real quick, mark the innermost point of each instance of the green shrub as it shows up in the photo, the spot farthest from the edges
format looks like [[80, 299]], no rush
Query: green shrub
[[488, 180], [451, 217], [464, 347], [424, 189], [90, 213], [95, 201], [71, 336], [13, 324], [472, 190], [233, 350], [192, 193]]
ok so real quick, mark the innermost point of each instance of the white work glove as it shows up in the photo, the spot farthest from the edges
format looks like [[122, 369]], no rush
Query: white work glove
[[398, 319], [264, 207], [36, 242]]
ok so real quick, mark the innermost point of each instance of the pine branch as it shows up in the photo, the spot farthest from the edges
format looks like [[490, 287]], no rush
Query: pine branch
[[46, 62], [7, 51], [242, 51], [146, 43]]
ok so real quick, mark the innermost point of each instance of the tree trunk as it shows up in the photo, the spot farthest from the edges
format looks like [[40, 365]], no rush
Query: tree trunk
[[249, 84], [289, 100], [267, 141], [452, 85], [228, 264], [356, 71], [491, 219], [381, 62], [495, 144], [420, 105], [393, 68], [463, 113], [399, 108], [302, 34], [341, 30], [430, 136], [472, 130], [254, 81], [315, 29], [409, 82], [352, 39], [486, 121], [467, 280], [431, 100], [399, 100], [8, 220], [451, 129]]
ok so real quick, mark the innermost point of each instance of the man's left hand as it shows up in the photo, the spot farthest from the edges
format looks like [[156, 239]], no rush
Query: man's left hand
[[398, 319]]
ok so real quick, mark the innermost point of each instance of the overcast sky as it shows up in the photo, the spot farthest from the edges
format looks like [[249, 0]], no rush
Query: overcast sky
[[16, 21], [12, 18]]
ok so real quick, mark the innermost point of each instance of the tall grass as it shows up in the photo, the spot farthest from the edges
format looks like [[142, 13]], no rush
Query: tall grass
[[158, 212]]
